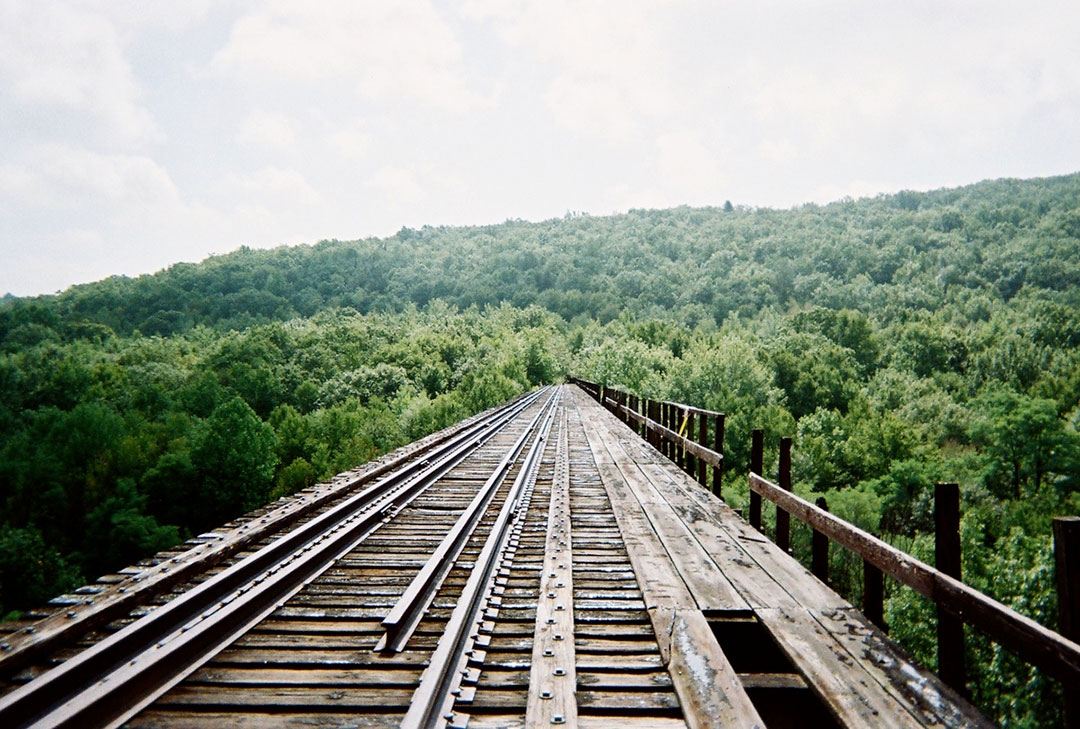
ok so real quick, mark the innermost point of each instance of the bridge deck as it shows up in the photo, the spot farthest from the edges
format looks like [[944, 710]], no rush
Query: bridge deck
[[595, 585]]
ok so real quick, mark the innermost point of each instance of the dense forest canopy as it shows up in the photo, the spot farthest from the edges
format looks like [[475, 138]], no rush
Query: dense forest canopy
[[902, 340]]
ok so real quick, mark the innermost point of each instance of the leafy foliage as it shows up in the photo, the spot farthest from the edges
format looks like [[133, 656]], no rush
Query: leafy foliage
[[902, 340]]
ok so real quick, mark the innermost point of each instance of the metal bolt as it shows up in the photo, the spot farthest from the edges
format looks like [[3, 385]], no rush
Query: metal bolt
[[559, 672], [545, 694], [558, 636], [558, 719], [549, 652]]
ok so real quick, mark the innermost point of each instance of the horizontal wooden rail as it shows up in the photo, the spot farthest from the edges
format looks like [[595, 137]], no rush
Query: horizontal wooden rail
[[695, 449], [1034, 643]]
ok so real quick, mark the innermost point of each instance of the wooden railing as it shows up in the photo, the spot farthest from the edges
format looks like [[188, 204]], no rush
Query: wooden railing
[[1058, 654], [681, 432]]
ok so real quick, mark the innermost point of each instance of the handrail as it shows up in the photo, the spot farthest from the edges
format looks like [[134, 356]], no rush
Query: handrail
[[695, 449], [1036, 644]]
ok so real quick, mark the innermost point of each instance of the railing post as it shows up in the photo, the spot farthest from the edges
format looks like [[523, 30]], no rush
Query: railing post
[[703, 440], [654, 414], [874, 595], [950, 632], [672, 454], [663, 421], [689, 461], [757, 457], [680, 417], [783, 519], [1067, 568], [819, 557], [633, 423], [718, 446]]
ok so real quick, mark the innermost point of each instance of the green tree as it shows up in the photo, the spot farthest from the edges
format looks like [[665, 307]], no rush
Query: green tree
[[235, 454]]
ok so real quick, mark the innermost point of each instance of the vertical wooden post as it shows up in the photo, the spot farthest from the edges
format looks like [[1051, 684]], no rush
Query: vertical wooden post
[[757, 458], [783, 519], [680, 418], [718, 446], [950, 628], [654, 414], [874, 595], [1067, 568], [663, 422], [600, 396], [689, 462], [819, 557], [703, 439]]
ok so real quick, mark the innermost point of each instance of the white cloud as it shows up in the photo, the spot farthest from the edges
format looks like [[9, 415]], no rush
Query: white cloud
[[57, 57], [263, 131], [611, 70], [375, 49], [688, 167], [270, 186], [397, 185], [352, 142], [55, 177]]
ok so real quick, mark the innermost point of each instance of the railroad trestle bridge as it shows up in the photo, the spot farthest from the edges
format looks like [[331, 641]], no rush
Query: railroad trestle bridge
[[539, 564]]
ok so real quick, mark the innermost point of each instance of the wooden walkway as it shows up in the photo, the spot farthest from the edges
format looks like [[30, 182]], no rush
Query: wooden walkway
[[561, 572]]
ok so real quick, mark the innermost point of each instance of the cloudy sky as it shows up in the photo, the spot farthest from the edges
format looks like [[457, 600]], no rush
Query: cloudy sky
[[137, 133]]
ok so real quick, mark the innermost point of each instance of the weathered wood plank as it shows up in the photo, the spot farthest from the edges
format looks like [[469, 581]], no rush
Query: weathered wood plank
[[553, 677], [1036, 644], [850, 692], [708, 689], [710, 587], [155, 719], [920, 690]]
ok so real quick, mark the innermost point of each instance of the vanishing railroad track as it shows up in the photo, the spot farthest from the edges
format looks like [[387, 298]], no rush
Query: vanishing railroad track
[[405, 593], [535, 565]]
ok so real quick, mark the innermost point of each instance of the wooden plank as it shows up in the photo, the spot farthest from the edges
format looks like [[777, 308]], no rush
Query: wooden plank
[[1034, 643], [921, 691], [704, 682], [664, 587], [355, 677], [155, 719], [696, 508], [286, 697], [711, 694], [553, 678], [843, 684], [708, 586]]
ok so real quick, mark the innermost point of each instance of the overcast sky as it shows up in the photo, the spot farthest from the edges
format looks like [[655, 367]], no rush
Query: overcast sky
[[134, 134]]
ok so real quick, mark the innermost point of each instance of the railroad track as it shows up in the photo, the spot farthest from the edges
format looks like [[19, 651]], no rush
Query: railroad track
[[536, 565]]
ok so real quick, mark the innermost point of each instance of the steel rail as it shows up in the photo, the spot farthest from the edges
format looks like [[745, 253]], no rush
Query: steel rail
[[400, 623], [433, 698], [21, 647], [109, 682]]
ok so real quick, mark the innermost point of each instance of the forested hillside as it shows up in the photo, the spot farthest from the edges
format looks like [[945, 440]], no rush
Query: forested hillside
[[901, 340]]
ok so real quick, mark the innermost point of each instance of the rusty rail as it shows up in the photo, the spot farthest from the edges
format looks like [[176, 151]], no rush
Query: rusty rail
[[110, 682]]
